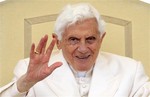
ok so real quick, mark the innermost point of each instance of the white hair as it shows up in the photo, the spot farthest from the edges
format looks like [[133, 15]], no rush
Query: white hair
[[73, 13]]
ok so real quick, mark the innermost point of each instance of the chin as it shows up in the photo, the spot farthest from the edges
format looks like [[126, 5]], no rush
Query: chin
[[84, 67]]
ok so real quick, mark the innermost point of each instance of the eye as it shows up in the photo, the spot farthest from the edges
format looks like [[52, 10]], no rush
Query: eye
[[91, 39], [73, 40]]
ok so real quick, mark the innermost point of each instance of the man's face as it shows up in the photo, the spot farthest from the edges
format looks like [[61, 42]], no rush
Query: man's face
[[80, 44]]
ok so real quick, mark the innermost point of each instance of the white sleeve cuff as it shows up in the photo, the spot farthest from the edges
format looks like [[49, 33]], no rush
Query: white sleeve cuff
[[16, 93]]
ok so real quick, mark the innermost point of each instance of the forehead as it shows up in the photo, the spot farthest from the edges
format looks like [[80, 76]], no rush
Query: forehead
[[84, 27]]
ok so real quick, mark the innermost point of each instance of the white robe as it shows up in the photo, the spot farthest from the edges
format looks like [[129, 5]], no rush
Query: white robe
[[113, 76]]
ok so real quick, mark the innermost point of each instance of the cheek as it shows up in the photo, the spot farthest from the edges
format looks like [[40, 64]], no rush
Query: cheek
[[69, 53], [69, 50], [95, 47]]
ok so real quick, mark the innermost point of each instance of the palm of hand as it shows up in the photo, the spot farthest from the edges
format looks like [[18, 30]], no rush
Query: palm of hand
[[38, 68]]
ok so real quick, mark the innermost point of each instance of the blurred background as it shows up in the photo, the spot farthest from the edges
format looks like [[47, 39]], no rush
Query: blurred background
[[23, 22]]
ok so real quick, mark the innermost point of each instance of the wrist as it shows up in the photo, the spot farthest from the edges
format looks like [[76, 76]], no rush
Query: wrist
[[23, 85]]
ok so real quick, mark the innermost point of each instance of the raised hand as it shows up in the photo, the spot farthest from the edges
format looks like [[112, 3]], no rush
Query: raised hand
[[38, 68]]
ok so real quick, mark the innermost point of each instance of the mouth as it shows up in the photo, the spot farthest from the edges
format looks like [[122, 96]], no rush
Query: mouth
[[83, 57]]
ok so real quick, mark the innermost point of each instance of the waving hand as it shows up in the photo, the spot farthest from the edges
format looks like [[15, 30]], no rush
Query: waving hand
[[38, 68]]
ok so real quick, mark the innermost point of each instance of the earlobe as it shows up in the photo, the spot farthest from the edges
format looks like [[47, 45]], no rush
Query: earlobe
[[57, 41], [58, 44]]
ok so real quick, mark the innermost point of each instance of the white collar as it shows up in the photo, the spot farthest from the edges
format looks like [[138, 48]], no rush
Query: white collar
[[79, 74]]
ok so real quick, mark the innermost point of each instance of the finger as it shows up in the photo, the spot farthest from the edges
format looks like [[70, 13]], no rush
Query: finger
[[32, 50], [50, 48], [41, 44], [44, 44], [53, 67]]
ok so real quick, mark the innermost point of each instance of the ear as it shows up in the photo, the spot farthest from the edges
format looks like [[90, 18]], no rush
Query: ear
[[103, 35], [57, 40]]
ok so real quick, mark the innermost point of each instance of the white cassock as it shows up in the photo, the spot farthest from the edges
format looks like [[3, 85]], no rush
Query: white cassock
[[113, 76]]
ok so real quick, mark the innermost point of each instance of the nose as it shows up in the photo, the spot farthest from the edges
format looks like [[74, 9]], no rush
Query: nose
[[82, 48]]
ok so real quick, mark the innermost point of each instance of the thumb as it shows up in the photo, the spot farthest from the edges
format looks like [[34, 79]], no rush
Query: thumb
[[54, 66]]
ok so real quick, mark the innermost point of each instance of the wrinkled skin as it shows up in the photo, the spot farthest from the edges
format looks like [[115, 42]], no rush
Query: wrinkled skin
[[38, 65], [81, 43]]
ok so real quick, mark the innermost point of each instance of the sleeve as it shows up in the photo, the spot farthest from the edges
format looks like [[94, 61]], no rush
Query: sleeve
[[10, 90], [141, 87]]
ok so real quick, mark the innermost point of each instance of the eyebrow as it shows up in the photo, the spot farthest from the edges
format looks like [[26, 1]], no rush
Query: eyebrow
[[73, 37], [91, 37]]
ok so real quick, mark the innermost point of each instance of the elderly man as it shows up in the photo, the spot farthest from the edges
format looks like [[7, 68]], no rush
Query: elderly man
[[82, 71]]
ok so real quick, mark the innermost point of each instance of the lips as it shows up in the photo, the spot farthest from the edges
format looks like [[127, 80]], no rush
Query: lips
[[83, 57]]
